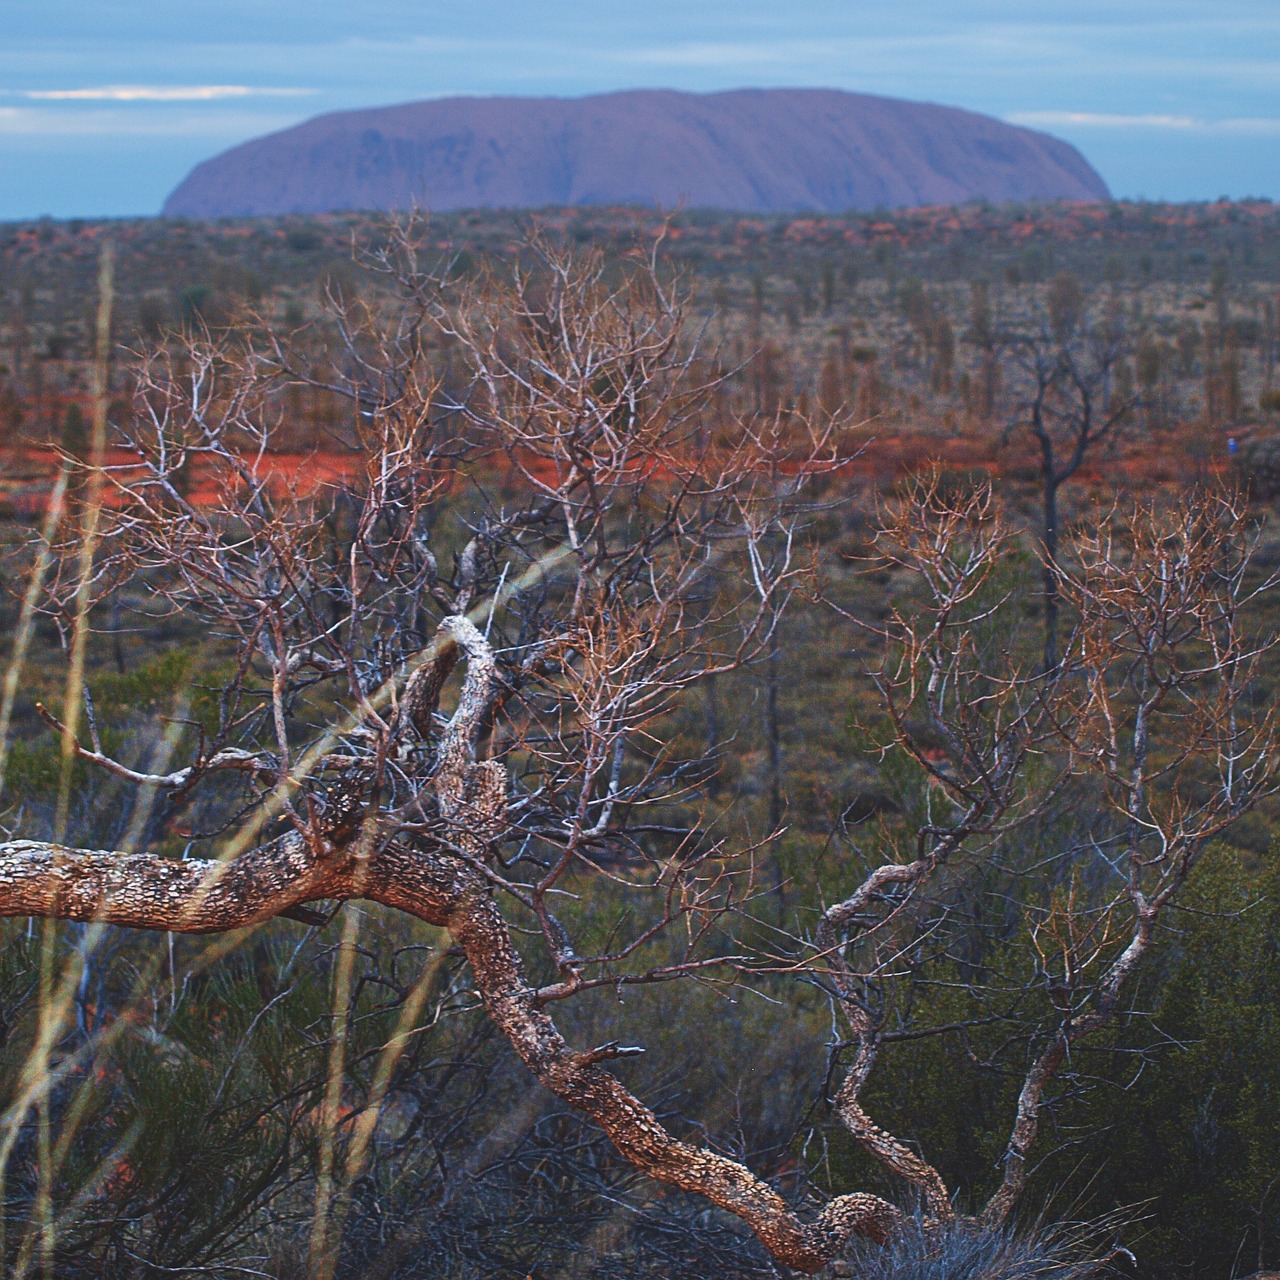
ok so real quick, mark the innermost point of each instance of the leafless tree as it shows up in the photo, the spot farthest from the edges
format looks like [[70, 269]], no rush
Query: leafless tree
[[1161, 713], [970, 723], [1068, 394], [448, 686], [1152, 703], [587, 509]]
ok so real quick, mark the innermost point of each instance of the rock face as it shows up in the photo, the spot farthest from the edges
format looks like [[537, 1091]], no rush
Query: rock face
[[750, 149]]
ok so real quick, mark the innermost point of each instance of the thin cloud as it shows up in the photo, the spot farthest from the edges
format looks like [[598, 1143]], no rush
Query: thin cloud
[[1101, 120], [1258, 124], [161, 93], [1104, 120], [39, 124]]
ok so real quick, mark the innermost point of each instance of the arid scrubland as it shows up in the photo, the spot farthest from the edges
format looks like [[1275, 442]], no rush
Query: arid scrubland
[[687, 748]]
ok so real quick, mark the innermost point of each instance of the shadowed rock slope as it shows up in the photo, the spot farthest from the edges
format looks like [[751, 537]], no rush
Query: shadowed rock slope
[[749, 149]]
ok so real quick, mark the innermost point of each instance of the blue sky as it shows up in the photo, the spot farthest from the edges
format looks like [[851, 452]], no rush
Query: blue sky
[[105, 104]]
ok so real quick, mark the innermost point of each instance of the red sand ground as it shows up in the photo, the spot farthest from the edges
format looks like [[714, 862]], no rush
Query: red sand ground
[[27, 472]]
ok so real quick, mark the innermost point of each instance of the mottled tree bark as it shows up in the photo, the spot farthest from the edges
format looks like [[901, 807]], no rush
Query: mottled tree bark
[[441, 881], [198, 896]]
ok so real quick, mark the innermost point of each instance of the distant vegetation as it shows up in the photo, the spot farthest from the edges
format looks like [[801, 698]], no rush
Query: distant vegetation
[[894, 316]]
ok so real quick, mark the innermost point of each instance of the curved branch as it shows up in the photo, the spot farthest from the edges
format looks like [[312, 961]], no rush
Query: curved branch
[[1049, 1062], [200, 896], [421, 693], [635, 1131], [461, 735], [895, 1155]]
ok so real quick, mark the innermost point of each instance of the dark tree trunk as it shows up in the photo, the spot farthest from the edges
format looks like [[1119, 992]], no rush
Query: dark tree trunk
[[1051, 600]]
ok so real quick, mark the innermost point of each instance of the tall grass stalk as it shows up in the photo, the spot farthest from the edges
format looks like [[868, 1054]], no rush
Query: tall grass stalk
[[323, 1246], [62, 999], [39, 1075], [49, 1021]]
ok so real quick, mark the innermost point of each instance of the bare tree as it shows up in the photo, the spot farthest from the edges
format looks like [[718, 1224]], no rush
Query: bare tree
[[1160, 712], [1151, 705], [970, 722], [449, 687], [1069, 397], [583, 507]]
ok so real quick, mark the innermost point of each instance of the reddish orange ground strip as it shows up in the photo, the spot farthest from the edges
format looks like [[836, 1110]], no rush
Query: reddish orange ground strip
[[27, 473]]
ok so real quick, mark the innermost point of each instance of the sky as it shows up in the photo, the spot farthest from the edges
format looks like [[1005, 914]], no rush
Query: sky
[[106, 104]]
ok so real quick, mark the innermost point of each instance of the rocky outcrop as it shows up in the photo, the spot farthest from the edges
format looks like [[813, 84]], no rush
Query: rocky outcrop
[[749, 149]]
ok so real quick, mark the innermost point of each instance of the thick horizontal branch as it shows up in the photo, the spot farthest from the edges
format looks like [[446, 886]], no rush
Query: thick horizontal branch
[[142, 891], [202, 896]]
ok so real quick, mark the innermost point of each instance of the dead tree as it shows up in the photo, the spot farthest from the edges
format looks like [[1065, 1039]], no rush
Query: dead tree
[[1152, 700], [1070, 399], [544, 530], [1160, 711], [970, 722], [449, 684]]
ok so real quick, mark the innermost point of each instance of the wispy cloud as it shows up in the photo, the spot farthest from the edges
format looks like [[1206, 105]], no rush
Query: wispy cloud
[[1104, 120], [38, 125], [161, 93], [1101, 120]]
